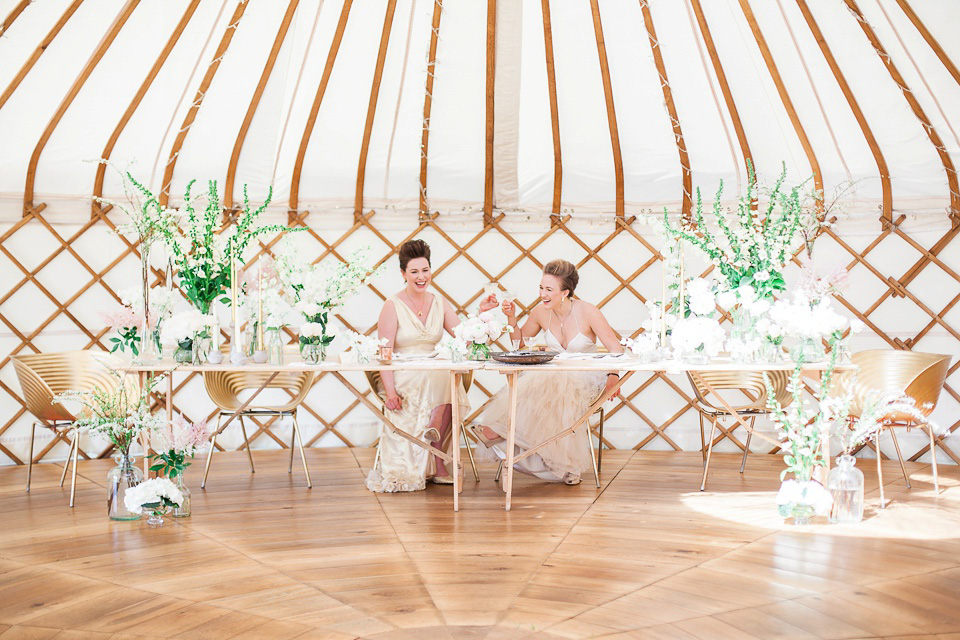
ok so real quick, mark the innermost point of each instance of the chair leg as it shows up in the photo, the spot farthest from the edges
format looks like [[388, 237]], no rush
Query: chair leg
[[706, 462], [473, 463], [376, 459], [243, 428], [600, 443], [903, 470], [876, 447], [496, 478], [933, 458], [703, 442], [293, 440], [303, 456], [66, 464], [593, 454], [746, 447], [213, 445], [33, 434], [73, 476]]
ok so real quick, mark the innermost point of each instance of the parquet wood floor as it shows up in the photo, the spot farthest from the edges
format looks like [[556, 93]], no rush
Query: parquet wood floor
[[646, 556]]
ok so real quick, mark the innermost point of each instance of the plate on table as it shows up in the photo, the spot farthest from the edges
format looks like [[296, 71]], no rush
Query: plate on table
[[524, 357]]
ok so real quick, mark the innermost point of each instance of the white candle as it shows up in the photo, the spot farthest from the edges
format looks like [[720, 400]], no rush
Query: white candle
[[663, 304], [233, 297], [260, 307], [682, 301]]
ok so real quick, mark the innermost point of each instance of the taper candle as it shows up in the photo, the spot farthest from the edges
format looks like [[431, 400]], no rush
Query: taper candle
[[260, 307]]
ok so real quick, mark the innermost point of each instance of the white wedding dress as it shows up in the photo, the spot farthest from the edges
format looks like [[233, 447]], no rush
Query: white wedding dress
[[549, 402]]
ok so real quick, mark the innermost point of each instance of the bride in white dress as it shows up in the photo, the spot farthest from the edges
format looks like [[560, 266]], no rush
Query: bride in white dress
[[550, 401]]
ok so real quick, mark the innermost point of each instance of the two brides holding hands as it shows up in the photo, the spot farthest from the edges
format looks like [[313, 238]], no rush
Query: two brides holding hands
[[413, 321]]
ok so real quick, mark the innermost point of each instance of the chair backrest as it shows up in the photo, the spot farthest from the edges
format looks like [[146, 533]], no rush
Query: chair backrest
[[751, 383], [224, 387], [43, 375], [376, 383], [917, 375]]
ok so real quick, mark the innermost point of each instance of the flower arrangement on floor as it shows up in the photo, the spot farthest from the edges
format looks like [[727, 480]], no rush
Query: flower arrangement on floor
[[801, 428], [181, 440], [362, 348], [155, 496], [478, 332], [120, 413]]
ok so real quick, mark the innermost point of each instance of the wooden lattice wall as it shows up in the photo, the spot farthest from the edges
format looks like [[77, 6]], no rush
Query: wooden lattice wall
[[620, 265]]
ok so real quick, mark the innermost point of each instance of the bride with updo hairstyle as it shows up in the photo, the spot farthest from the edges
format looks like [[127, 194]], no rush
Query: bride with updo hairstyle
[[550, 401], [413, 321]]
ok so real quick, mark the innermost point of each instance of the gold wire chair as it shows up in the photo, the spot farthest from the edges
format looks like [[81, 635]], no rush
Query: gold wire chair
[[224, 388], [919, 376], [43, 375], [376, 385], [751, 384]]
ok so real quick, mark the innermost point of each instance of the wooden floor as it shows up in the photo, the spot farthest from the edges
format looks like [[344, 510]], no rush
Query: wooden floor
[[647, 556]]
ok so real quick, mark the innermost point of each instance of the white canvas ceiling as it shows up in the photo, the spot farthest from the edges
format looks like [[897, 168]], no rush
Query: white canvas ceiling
[[524, 171]]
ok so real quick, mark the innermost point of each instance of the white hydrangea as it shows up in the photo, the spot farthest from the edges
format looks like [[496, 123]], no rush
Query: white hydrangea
[[151, 491]]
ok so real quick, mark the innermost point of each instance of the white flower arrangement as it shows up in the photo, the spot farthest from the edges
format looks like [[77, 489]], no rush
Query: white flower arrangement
[[311, 330], [152, 495], [755, 244], [646, 346], [697, 335], [478, 331], [453, 348], [186, 326], [809, 492], [702, 296], [362, 348]]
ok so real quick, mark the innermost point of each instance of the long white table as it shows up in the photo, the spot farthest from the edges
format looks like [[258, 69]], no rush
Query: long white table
[[626, 366]]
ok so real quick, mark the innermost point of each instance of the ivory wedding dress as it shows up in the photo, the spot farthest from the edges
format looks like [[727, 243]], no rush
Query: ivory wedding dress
[[547, 403], [405, 466]]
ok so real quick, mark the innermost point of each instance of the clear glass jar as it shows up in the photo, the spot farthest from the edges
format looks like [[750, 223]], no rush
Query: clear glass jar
[[313, 353], [184, 352], [119, 479], [845, 484], [808, 349], [183, 511]]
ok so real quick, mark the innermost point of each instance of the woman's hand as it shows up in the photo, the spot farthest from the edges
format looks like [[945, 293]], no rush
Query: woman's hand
[[612, 380], [490, 302], [509, 309], [394, 402]]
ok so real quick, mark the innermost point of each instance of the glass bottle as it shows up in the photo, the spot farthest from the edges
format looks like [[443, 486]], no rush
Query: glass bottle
[[275, 348], [845, 484], [183, 511], [119, 479]]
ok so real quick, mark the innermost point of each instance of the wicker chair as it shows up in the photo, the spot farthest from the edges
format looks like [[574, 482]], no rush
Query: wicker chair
[[751, 384], [224, 388], [376, 385], [919, 376], [44, 375]]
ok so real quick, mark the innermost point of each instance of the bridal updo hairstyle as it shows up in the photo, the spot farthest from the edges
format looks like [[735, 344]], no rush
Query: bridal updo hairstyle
[[565, 272], [413, 249]]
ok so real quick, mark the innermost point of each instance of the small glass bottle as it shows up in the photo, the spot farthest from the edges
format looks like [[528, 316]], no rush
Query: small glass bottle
[[183, 511], [845, 484], [275, 348]]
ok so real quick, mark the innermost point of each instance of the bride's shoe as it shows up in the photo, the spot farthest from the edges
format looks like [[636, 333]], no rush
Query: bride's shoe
[[571, 479], [477, 431]]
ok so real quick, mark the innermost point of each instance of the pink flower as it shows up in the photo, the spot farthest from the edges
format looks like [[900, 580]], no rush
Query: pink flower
[[121, 318]]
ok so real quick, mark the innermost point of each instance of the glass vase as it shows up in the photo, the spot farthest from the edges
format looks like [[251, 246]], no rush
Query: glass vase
[[156, 516], [696, 357], [479, 351], [184, 352], [275, 348], [845, 484], [808, 349], [148, 352], [313, 353], [119, 479], [183, 511], [802, 513], [199, 350]]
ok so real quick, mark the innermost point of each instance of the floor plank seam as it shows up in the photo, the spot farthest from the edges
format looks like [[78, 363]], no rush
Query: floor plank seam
[[593, 502]]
